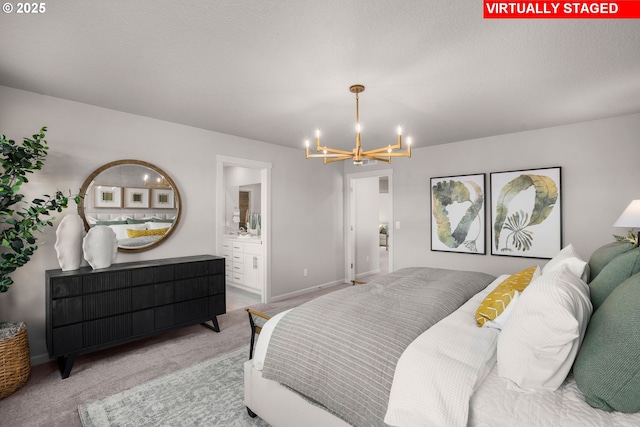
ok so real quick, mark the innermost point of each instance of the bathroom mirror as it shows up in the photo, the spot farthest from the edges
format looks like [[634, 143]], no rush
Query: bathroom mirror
[[136, 199]]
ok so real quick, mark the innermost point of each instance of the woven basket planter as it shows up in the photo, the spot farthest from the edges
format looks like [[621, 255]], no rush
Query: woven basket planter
[[15, 361]]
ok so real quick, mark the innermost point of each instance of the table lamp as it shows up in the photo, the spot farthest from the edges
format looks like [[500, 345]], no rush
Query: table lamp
[[630, 218]]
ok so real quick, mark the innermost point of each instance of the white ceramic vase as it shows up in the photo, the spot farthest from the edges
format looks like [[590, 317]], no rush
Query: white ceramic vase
[[100, 246], [68, 245]]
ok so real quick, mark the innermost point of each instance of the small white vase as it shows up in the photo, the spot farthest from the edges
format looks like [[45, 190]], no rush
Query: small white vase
[[100, 246], [68, 245]]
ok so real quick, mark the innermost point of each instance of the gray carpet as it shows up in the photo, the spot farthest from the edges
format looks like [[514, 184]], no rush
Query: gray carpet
[[207, 394]]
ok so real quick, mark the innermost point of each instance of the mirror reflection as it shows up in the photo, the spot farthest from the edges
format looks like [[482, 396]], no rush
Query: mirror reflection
[[137, 200], [243, 198]]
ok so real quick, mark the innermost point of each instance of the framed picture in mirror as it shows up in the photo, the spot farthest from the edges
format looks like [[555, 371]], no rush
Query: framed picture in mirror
[[162, 199], [108, 196], [136, 198]]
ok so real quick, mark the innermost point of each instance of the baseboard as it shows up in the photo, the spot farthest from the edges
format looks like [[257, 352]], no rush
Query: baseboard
[[244, 288], [40, 359], [306, 290]]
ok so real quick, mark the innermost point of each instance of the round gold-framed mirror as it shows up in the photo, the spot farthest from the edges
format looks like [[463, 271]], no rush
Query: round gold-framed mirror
[[136, 199]]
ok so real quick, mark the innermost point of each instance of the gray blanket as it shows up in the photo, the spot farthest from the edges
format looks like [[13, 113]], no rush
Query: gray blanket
[[340, 350]]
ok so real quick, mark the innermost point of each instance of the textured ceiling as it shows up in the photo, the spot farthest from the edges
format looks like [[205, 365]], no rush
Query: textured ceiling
[[276, 70]]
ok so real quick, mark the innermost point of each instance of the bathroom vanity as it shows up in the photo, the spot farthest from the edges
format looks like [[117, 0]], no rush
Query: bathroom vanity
[[243, 262]]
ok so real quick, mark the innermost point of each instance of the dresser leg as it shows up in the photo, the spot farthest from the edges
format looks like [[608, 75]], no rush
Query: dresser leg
[[65, 363], [215, 326]]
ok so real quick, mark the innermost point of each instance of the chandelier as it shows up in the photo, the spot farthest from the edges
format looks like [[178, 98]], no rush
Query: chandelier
[[383, 154], [159, 182]]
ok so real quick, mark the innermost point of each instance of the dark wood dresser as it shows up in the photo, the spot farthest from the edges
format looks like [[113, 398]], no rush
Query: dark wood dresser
[[90, 310]]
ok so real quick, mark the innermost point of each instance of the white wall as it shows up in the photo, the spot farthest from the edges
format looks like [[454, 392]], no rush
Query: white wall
[[383, 205], [600, 176], [307, 224]]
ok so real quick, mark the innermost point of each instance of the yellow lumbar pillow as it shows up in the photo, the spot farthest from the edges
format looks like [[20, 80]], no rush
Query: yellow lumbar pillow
[[137, 233], [495, 303]]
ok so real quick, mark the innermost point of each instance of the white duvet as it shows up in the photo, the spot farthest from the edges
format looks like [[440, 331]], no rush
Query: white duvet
[[447, 377], [438, 372]]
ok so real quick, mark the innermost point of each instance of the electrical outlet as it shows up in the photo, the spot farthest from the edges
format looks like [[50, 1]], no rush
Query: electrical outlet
[[305, 272]]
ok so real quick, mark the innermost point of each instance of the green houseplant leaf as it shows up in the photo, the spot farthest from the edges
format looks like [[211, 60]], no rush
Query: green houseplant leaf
[[19, 220], [545, 199]]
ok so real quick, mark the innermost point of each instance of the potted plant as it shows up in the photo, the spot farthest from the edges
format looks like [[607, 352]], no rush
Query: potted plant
[[20, 222]]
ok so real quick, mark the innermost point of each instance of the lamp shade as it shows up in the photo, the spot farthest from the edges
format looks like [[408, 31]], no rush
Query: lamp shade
[[630, 217]]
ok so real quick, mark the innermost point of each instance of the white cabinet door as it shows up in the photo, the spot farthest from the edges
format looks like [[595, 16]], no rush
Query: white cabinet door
[[252, 271]]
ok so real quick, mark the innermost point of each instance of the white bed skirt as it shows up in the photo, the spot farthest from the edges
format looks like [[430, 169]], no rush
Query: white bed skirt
[[280, 406]]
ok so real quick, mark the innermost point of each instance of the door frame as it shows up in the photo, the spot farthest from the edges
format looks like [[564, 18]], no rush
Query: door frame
[[265, 211], [350, 220]]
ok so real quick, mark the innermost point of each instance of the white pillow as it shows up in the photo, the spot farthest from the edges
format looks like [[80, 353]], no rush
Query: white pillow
[[501, 320], [539, 343], [569, 257], [121, 229]]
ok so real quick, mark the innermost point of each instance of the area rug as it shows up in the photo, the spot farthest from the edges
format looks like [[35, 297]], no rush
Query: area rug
[[208, 394]]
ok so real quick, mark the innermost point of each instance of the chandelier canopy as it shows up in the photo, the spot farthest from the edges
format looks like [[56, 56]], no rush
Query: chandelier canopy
[[383, 154]]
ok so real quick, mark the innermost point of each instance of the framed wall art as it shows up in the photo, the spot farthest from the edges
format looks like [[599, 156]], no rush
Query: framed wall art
[[162, 199], [136, 197], [107, 196], [526, 213], [458, 214]]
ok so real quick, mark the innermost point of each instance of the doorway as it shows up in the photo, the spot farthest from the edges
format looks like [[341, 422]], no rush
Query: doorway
[[369, 216], [257, 255]]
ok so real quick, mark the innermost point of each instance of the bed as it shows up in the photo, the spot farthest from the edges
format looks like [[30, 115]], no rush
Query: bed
[[134, 230], [408, 349]]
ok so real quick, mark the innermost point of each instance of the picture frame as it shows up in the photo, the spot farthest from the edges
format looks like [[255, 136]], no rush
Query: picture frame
[[107, 196], [136, 198], [458, 214], [162, 199], [526, 212]]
